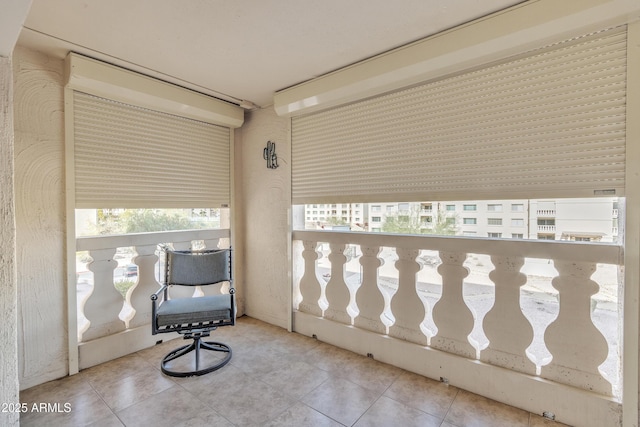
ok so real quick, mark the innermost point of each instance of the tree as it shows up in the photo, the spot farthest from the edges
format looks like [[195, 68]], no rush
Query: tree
[[442, 225], [410, 223], [402, 224], [148, 220]]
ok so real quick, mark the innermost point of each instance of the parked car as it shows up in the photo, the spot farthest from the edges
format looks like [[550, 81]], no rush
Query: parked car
[[131, 270]]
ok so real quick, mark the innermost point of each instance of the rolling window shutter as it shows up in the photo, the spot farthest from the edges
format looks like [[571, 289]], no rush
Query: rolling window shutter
[[131, 157], [547, 123]]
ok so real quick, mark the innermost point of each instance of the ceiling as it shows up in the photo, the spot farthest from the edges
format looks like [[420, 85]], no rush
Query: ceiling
[[239, 49]]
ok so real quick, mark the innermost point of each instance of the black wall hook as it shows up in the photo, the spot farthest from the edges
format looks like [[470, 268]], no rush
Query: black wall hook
[[270, 155]]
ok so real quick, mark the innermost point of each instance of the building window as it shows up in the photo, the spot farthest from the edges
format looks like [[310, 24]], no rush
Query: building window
[[469, 221], [469, 207], [494, 208], [517, 236], [451, 208], [517, 207], [376, 208], [546, 237], [495, 235], [546, 222], [517, 222], [375, 219], [450, 221], [494, 221]]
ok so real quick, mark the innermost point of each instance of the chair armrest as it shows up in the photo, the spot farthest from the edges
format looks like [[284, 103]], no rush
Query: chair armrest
[[163, 289]]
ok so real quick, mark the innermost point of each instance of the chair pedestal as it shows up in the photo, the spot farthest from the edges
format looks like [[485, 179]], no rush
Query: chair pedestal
[[197, 345]]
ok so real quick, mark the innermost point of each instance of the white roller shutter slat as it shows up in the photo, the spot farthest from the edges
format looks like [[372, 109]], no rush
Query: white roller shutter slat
[[547, 123], [131, 157]]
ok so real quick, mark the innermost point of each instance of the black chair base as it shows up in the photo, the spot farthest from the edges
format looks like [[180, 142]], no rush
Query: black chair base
[[196, 346]]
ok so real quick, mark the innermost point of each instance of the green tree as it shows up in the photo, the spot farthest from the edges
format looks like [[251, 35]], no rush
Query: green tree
[[442, 225], [402, 224], [149, 220], [410, 223]]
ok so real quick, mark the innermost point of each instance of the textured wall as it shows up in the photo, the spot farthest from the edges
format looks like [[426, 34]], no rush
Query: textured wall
[[265, 200], [8, 292], [40, 223]]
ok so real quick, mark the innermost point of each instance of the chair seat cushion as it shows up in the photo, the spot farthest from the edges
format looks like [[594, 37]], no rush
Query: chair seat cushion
[[183, 311]]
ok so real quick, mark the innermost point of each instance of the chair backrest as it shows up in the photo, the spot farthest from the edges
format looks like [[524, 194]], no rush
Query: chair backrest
[[193, 268]]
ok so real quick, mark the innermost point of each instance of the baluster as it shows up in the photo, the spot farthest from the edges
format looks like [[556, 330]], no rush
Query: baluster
[[296, 273], [183, 291], [452, 316], [212, 243], [369, 299], [138, 296], [105, 302], [310, 288], [508, 330], [406, 305], [577, 346], [337, 292]]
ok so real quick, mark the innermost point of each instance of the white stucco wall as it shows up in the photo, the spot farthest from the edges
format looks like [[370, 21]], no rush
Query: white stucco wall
[[40, 217], [8, 290], [265, 198]]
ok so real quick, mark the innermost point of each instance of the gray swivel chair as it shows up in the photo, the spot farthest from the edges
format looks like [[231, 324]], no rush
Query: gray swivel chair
[[194, 318]]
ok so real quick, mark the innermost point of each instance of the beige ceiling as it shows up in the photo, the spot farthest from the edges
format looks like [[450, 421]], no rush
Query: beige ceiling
[[240, 49]]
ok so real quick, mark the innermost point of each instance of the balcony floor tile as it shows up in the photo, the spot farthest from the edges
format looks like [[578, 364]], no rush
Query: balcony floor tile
[[275, 378]]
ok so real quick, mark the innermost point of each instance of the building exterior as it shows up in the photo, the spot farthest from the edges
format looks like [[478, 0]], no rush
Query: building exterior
[[586, 219]]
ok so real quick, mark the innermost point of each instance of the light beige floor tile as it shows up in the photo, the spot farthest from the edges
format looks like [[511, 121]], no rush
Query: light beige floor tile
[[472, 410], [133, 389], [341, 400], [387, 412], [424, 394], [300, 415], [172, 407], [116, 370], [296, 378], [83, 409], [252, 403], [215, 385], [153, 355], [275, 378], [369, 373], [56, 391], [110, 421], [260, 359], [294, 343], [330, 358]]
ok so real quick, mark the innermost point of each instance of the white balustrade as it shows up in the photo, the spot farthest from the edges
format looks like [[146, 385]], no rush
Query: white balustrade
[[103, 307], [577, 347]]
